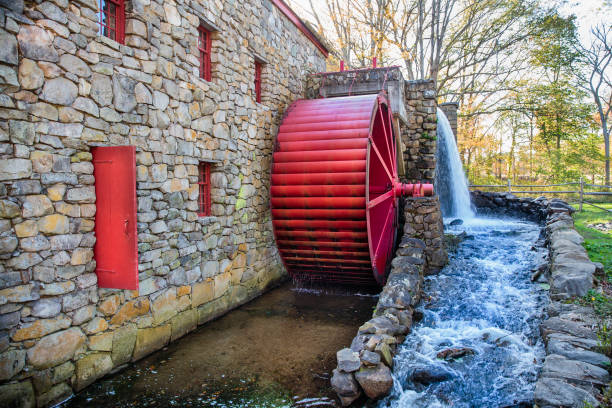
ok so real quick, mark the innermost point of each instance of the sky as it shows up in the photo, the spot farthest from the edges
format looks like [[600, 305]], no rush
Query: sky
[[588, 12]]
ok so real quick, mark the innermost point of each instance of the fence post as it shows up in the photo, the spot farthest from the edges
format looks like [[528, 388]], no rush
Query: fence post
[[581, 192], [509, 186]]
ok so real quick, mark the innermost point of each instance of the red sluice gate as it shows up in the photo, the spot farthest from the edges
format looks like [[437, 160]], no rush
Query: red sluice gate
[[335, 189]]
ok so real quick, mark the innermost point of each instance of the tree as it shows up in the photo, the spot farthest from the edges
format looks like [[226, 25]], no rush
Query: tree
[[596, 79]]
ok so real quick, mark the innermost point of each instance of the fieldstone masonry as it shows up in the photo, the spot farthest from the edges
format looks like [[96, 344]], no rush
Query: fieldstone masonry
[[65, 89], [419, 134], [450, 110], [365, 366], [423, 220]]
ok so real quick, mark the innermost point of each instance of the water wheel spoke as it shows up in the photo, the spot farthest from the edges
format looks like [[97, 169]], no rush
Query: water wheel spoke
[[384, 228], [373, 203], [382, 162], [393, 145], [384, 126]]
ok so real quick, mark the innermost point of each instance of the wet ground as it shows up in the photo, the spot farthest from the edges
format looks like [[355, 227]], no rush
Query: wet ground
[[275, 351]]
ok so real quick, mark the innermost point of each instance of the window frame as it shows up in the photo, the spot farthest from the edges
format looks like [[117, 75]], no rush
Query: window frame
[[258, 69], [204, 187], [118, 18], [205, 48]]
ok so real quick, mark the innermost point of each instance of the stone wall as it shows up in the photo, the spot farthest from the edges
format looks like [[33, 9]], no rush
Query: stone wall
[[365, 367], [423, 220], [507, 204], [419, 134], [450, 110], [65, 89]]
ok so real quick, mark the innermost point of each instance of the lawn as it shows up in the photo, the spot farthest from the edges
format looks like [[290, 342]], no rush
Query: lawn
[[597, 243]]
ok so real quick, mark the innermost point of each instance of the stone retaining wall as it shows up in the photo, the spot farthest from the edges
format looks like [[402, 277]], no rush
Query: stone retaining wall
[[64, 88], [574, 371], [366, 366]]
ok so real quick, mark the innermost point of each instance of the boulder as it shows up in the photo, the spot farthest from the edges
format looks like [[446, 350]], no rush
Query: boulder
[[124, 93], [56, 348], [454, 353], [35, 43], [577, 372], [550, 392], [348, 360], [386, 325], [150, 340], [92, 367], [575, 329], [345, 386], [571, 279], [567, 347], [59, 91], [11, 363], [19, 394], [430, 374], [369, 358], [376, 382], [124, 339]]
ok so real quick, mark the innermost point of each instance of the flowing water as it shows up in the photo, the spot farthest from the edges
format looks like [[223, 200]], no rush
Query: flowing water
[[483, 300], [450, 182]]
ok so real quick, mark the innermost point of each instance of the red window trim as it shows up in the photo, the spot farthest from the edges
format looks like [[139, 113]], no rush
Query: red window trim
[[290, 14], [205, 47], [118, 19], [204, 203], [258, 68]]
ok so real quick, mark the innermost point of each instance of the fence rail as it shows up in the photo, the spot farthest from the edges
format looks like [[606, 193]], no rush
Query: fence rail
[[580, 192]]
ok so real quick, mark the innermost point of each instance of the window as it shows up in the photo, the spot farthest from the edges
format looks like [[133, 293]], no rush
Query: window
[[204, 45], [204, 186], [112, 19], [258, 67]]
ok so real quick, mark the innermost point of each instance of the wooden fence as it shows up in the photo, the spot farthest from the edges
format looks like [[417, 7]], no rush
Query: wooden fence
[[580, 192]]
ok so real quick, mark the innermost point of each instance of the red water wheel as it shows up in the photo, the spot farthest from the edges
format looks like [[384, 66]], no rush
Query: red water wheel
[[335, 189]]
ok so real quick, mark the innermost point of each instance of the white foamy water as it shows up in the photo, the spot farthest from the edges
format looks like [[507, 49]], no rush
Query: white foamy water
[[450, 182], [483, 300]]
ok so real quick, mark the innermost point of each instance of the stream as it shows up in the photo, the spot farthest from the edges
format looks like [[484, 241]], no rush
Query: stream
[[482, 307]]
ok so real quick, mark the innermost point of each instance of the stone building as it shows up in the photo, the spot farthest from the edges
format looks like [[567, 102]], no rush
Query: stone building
[[197, 88]]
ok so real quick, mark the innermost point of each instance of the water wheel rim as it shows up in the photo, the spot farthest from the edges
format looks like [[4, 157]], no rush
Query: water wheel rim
[[381, 207]]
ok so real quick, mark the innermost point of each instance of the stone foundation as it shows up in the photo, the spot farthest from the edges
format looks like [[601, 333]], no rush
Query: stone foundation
[[506, 204]]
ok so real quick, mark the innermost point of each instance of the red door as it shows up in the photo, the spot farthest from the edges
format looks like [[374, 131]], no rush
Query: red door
[[116, 249]]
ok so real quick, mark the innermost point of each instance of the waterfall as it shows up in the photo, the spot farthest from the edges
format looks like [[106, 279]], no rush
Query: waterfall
[[450, 182]]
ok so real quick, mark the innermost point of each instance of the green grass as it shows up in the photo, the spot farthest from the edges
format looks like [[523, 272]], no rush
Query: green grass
[[600, 302], [599, 247], [597, 243]]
